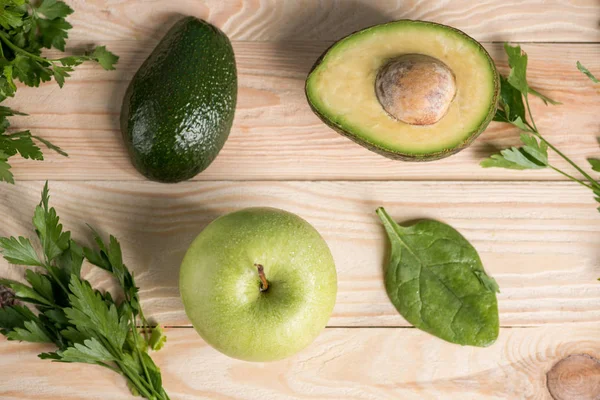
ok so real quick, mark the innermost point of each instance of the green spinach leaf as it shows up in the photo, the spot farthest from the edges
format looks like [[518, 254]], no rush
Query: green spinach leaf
[[435, 279]]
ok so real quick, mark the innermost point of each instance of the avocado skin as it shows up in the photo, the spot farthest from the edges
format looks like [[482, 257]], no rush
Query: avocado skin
[[179, 107], [396, 155]]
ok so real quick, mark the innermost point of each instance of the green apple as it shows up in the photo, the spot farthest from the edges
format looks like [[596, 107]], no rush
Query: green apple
[[258, 284]]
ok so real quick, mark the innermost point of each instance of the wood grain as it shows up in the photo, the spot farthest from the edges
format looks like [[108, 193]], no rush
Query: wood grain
[[275, 134], [575, 377], [284, 21], [342, 363], [539, 240]]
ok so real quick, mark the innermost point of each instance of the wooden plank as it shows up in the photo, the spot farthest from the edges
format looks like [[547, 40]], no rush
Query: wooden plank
[[284, 21], [342, 363], [539, 240], [277, 137]]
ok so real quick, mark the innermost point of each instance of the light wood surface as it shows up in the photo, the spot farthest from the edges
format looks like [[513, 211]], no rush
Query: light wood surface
[[539, 240], [575, 375], [289, 20], [537, 235], [343, 363], [276, 136]]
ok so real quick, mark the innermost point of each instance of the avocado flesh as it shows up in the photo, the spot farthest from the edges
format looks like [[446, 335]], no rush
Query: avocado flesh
[[179, 107], [340, 89]]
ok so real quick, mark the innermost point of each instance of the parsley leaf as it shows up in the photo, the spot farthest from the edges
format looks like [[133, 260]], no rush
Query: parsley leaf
[[587, 72], [25, 293], [104, 57], [53, 33], [514, 109], [5, 174], [547, 100], [26, 27], [70, 261], [22, 143], [72, 61], [595, 163], [90, 312], [513, 158], [30, 71], [49, 230], [517, 60], [14, 317], [86, 325], [50, 146], [533, 155], [110, 258], [60, 73], [519, 123], [90, 352], [52, 9], [31, 332], [153, 371], [11, 15], [511, 103], [7, 84], [9, 112], [157, 339], [19, 251], [40, 283], [535, 149]]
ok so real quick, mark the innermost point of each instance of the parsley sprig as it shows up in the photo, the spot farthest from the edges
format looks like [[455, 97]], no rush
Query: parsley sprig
[[27, 27], [514, 109], [86, 325]]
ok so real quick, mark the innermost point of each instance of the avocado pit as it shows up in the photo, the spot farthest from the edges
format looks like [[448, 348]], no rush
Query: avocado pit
[[415, 89]]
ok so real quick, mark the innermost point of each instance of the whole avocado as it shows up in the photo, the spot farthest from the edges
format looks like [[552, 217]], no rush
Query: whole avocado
[[179, 107]]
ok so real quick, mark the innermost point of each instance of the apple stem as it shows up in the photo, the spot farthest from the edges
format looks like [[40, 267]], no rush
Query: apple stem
[[264, 284]]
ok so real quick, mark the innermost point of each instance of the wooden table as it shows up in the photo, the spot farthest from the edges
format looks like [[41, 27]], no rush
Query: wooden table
[[538, 235]]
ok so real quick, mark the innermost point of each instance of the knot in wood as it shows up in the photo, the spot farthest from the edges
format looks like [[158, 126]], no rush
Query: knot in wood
[[575, 377]]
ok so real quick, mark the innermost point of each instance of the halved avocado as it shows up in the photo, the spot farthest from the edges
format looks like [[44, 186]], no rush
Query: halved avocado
[[409, 90]]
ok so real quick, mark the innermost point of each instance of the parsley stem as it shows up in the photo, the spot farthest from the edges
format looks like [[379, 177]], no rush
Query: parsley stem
[[134, 380], [143, 386], [140, 383], [19, 134], [50, 61], [143, 321], [48, 268], [529, 111], [118, 371], [24, 52], [122, 373], [567, 159], [135, 336], [592, 181], [571, 177], [118, 356], [137, 349]]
